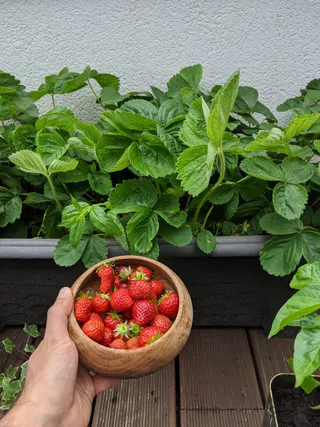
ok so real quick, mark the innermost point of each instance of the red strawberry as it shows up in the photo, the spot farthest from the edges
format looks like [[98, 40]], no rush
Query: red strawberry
[[117, 336], [139, 289], [124, 272], [157, 286], [94, 329], [145, 271], [132, 343], [95, 316], [148, 336], [121, 300], [101, 303], [163, 323], [105, 285], [169, 305], [127, 313], [106, 272], [118, 282], [143, 312], [82, 309], [118, 344], [108, 337], [135, 329], [155, 307], [122, 331], [112, 320], [153, 296], [137, 275]]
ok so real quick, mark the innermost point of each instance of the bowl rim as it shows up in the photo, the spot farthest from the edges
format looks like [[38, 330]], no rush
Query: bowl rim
[[111, 351]]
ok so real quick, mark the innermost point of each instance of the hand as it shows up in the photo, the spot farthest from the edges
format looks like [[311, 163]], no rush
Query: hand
[[58, 391]]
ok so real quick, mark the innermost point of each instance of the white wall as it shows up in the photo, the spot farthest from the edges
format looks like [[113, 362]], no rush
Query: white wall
[[275, 43]]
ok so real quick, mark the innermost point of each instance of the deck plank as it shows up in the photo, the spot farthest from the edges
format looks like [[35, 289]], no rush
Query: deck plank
[[217, 371], [222, 418], [270, 356], [143, 402]]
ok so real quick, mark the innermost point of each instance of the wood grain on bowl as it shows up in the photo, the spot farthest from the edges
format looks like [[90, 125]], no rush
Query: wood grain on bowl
[[143, 361]]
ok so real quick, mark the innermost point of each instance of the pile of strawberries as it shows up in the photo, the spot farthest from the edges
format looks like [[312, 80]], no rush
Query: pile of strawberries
[[131, 309]]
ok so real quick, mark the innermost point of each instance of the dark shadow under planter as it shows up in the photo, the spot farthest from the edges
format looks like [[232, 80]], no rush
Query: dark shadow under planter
[[288, 406], [230, 291]]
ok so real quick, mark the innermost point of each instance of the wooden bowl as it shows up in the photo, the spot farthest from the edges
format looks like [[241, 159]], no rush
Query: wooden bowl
[[143, 361]]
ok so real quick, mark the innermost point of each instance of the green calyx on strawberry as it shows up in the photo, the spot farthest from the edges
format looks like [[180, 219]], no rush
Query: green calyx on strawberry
[[124, 271], [84, 295], [135, 329], [138, 275], [122, 330]]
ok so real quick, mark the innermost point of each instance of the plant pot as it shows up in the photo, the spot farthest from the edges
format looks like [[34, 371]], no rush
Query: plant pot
[[228, 288], [289, 406]]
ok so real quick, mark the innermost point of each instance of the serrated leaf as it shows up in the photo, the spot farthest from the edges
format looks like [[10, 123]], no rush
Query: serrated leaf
[[62, 165], [274, 141], [133, 194], [123, 120], [296, 171], [232, 206], [179, 237], [251, 188], [70, 213], [262, 168], [193, 131], [206, 241], [151, 158], [274, 223], [100, 182], [121, 239], [78, 174], [222, 195], [10, 207], [306, 354], [104, 79], [195, 167], [170, 109], [110, 96], [59, 117], [110, 152], [28, 161], [142, 228], [192, 75], [95, 251], [8, 345], [31, 330], [35, 199], [246, 99], [29, 348], [168, 208], [51, 221], [103, 221], [141, 107], [24, 137], [308, 274], [65, 255], [280, 255], [51, 146], [83, 148], [311, 245], [300, 124], [289, 199], [77, 231]]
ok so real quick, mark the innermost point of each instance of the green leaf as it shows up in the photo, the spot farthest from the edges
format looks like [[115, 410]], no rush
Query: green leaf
[[110, 151], [251, 188], [121, 239], [289, 199], [142, 228], [8, 345], [65, 255], [222, 195], [110, 96], [28, 161], [280, 255], [206, 241], [316, 218], [300, 124], [306, 354], [78, 174], [24, 137], [232, 206], [308, 274], [141, 107], [126, 120], [33, 199], [104, 79], [31, 330], [51, 146], [151, 158], [83, 148], [175, 84], [311, 245], [10, 207], [192, 75], [168, 208], [77, 231], [88, 131], [193, 131], [11, 372], [221, 108], [132, 195], [51, 221], [274, 141], [296, 171], [290, 104], [59, 117], [95, 251], [63, 165], [170, 110], [29, 348], [24, 368], [100, 182], [246, 99], [303, 302], [274, 223], [104, 222], [10, 389], [195, 167], [179, 237], [262, 168]]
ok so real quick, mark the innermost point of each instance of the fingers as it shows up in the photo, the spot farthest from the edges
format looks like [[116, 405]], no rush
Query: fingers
[[57, 317], [102, 383]]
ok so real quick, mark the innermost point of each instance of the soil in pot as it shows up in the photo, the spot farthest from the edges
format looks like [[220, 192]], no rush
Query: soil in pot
[[293, 407]]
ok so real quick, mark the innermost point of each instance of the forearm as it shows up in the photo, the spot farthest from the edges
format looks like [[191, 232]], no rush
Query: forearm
[[29, 415]]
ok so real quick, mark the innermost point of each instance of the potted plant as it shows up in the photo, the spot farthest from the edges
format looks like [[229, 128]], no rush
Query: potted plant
[[293, 399], [179, 173]]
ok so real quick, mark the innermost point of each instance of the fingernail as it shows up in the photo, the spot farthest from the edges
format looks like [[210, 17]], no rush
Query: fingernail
[[64, 292]]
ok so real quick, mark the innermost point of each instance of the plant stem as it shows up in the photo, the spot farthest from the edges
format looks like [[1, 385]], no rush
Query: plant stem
[[212, 189], [206, 218], [2, 122], [243, 179], [53, 101], [54, 193], [93, 91], [188, 202], [158, 187], [314, 203]]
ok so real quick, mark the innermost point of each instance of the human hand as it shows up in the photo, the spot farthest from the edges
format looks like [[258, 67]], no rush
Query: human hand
[[58, 391]]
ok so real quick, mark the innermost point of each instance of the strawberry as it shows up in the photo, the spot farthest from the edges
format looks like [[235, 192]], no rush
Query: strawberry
[[122, 331], [95, 316], [112, 320], [124, 272], [106, 272], [101, 303], [143, 312], [153, 296], [163, 323], [105, 285], [137, 275], [121, 300], [169, 305], [155, 307], [118, 344], [157, 286], [148, 336], [127, 313], [82, 309], [94, 329], [135, 329], [132, 343], [139, 289], [117, 336], [108, 337], [145, 271], [118, 282]]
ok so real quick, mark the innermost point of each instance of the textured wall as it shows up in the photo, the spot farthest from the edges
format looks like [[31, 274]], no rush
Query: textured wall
[[275, 43]]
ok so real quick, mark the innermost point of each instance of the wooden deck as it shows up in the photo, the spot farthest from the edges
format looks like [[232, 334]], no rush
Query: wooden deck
[[219, 380]]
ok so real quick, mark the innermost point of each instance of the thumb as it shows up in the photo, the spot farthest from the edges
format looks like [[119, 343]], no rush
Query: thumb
[[57, 317]]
